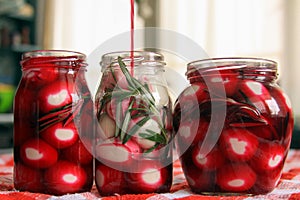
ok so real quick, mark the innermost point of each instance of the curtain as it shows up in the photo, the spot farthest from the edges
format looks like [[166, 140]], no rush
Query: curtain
[[230, 27], [291, 55], [255, 28]]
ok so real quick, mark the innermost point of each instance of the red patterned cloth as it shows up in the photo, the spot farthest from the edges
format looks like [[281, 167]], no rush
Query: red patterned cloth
[[288, 187]]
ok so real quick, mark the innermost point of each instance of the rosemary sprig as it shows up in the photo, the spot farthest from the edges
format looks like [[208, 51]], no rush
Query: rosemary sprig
[[126, 73], [135, 128], [65, 114], [153, 136], [138, 87], [140, 94], [118, 117], [126, 122]]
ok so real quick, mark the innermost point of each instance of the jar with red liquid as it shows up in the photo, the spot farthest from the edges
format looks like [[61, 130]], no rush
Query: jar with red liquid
[[53, 124], [133, 142], [234, 126]]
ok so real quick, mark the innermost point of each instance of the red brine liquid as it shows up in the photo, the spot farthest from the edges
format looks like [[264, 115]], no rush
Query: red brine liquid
[[250, 145]]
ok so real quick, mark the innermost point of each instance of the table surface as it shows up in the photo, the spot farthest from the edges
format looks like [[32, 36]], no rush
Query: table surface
[[288, 187]]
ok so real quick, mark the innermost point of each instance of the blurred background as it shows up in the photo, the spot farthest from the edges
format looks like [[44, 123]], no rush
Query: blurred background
[[255, 28]]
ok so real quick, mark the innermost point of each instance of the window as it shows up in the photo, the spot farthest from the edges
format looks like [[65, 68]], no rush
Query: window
[[255, 28]]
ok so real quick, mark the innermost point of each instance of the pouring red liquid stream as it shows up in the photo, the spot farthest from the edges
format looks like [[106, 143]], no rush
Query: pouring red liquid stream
[[132, 35]]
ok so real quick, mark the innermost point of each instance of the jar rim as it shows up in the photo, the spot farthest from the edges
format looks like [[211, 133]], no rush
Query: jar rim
[[213, 62], [139, 57], [247, 66], [53, 58], [52, 53]]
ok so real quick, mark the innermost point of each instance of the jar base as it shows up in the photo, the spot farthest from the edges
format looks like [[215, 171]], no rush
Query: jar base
[[225, 194]]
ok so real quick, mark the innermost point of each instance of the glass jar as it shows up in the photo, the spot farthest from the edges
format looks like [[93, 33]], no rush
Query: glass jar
[[133, 149], [53, 124], [233, 126]]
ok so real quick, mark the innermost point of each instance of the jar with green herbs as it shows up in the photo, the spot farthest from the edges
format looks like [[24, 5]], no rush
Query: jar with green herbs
[[133, 142]]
